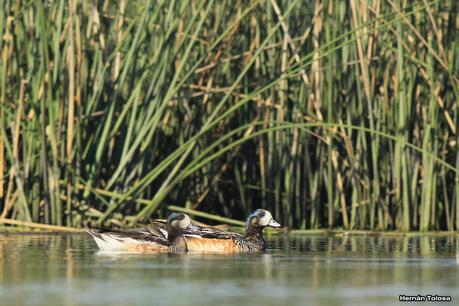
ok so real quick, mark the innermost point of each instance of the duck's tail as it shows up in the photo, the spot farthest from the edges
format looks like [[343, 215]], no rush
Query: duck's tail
[[108, 241]]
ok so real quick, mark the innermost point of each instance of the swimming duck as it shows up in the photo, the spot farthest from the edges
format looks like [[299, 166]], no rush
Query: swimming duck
[[150, 240], [208, 240]]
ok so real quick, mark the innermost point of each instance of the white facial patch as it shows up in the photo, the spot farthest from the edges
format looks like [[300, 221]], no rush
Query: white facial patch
[[264, 221], [185, 222], [175, 223]]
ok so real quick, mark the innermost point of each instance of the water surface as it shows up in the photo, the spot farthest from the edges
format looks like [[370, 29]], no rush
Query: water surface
[[46, 269]]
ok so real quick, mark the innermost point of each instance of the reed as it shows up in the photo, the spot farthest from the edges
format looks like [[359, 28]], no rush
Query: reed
[[331, 114]]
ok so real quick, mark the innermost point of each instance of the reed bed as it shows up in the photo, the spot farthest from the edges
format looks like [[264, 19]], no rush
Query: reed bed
[[331, 114]]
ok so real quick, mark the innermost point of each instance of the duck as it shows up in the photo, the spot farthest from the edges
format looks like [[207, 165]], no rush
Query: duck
[[148, 240], [209, 240]]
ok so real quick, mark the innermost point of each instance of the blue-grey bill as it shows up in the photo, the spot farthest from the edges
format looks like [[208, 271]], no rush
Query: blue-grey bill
[[273, 223]]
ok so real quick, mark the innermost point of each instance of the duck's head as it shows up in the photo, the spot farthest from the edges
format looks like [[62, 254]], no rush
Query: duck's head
[[261, 218], [178, 222]]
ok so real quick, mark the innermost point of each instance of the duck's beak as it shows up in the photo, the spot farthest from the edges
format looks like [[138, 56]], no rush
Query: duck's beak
[[273, 223]]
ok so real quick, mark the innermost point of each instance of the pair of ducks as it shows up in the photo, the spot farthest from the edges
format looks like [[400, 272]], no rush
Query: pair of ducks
[[179, 235]]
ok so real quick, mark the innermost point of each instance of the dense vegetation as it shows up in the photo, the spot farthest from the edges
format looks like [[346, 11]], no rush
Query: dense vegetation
[[328, 113]]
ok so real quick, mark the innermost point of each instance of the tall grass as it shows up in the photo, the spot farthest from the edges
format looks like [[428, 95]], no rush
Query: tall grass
[[328, 113]]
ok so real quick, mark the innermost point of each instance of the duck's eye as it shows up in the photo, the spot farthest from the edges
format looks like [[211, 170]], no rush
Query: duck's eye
[[265, 219], [185, 222]]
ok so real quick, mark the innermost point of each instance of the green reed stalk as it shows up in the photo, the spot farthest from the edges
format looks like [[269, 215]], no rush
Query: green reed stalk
[[112, 110]]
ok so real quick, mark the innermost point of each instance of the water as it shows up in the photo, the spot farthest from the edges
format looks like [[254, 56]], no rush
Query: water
[[38, 269]]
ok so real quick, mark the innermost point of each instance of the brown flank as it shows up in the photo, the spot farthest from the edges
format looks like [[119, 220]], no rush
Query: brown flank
[[208, 245]]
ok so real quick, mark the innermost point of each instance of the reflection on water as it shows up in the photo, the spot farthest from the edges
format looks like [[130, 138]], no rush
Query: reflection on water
[[307, 270]]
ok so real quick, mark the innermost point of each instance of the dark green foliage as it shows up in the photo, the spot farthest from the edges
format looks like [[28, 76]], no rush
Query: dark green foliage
[[327, 113]]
